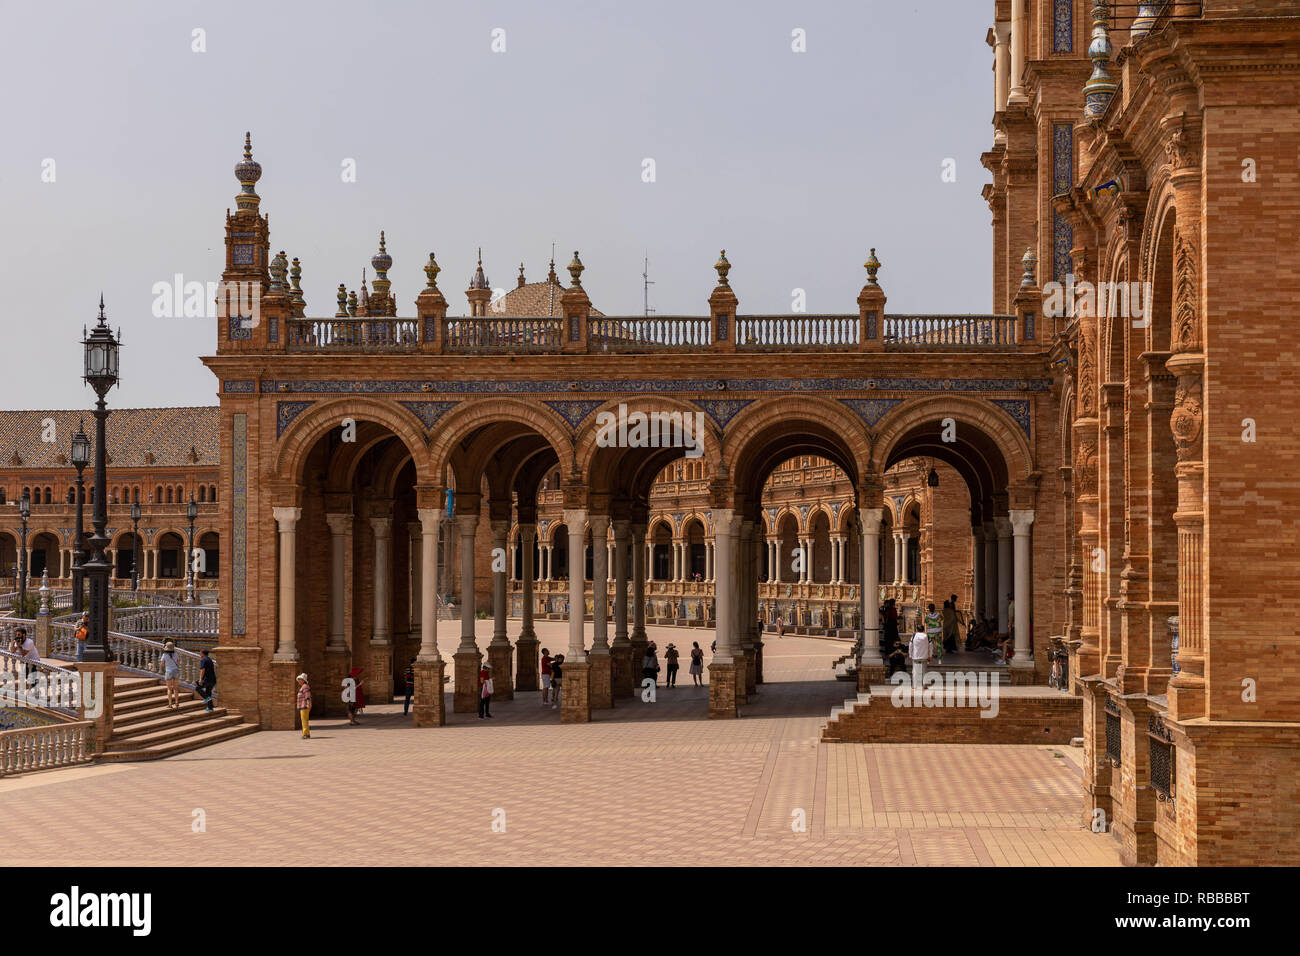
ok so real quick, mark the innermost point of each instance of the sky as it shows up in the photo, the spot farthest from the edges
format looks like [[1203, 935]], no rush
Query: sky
[[503, 125]]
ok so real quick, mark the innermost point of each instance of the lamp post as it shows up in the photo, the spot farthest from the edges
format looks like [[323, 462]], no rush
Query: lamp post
[[25, 512], [135, 548], [191, 512], [101, 357], [80, 459]]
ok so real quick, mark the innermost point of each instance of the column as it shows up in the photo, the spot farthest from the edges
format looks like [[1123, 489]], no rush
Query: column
[[575, 695], [467, 659], [1003, 526], [744, 609], [546, 562], [429, 706], [639, 640], [1001, 66], [499, 650], [414, 574], [622, 679], [871, 666], [904, 571], [708, 561], [1019, 37], [1022, 521], [286, 520], [990, 570], [977, 565], [526, 654], [776, 564], [722, 668], [601, 674], [379, 680], [896, 539]]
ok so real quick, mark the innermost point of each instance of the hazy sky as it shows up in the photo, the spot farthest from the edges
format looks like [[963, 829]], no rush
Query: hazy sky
[[795, 163]]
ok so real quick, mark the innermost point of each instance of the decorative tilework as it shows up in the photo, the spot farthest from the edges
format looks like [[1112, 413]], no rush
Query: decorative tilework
[[574, 412], [835, 510], [21, 718], [243, 255], [286, 412], [1017, 408], [244, 386], [723, 410], [677, 520], [428, 412], [871, 410], [237, 330], [1063, 26], [722, 328], [803, 514], [617, 386], [1062, 181], [239, 523], [273, 329]]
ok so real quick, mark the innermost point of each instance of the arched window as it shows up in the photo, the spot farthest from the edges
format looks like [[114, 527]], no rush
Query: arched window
[[203, 494], [49, 495], [135, 495], [158, 494], [27, 492], [2, 496], [72, 494], [212, 493], [169, 496]]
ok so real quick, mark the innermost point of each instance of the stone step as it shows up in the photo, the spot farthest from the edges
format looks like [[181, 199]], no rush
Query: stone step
[[134, 718], [170, 729], [181, 745]]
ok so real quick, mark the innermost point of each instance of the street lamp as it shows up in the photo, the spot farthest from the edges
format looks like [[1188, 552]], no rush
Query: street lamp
[[191, 512], [80, 459], [25, 511], [135, 548], [101, 354]]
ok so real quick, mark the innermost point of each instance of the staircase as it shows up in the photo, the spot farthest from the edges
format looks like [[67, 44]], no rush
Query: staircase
[[145, 728]]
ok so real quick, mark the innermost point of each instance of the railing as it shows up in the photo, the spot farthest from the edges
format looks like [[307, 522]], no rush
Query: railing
[[139, 655], [352, 333], [950, 330], [21, 677], [796, 331], [187, 620], [42, 748], [650, 334], [503, 334]]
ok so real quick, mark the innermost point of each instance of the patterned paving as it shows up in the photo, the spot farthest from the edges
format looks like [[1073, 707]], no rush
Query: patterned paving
[[644, 784]]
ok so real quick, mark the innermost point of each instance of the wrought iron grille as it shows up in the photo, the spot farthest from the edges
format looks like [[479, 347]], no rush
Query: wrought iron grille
[[1112, 733], [1163, 758]]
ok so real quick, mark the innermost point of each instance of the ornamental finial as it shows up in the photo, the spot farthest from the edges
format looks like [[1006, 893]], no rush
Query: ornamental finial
[[1030, 263], [431, 273], [1099, 89], [872, 265], [575, 270], [723, 267]]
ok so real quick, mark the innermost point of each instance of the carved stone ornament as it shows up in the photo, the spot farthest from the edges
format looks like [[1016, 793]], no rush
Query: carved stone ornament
[[1085, 466], [1187, 328], [1186, 420]]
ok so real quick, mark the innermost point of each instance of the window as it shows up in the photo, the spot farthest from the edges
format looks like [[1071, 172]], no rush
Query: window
[[135, 495], [72, 495], [49, 495], [158, 494], [212, 493], [203, 493], [169, 496]]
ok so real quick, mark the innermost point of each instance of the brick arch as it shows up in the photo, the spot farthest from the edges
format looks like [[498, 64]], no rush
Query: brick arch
[[459, 423], [993, 422], [601, 464], [814, 511], [781, 515], [307, 429], [661, 520]]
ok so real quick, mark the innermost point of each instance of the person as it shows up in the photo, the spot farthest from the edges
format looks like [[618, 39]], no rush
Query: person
[[82, 632], [546, 677], [304, 704], [934, 631], [897, 659], [891, 623], [358, 703], [713, 648], [671, 655], [485, 692], [919, 651], [950, 626], [557, 677], [409, 680], [172, 675], [697, 664], [650, 663], [1011, 615], [24, 647], [780, 626], [207, 678]]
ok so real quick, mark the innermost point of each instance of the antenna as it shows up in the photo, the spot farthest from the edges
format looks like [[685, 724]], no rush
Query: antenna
[[647, 283]]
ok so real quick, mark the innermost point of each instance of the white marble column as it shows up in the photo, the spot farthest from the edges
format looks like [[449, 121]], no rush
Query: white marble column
[[723, 521], [1022, 521], [430, 521], [904, 564], [977, 565], [466, 525], [286, 520], [340, 526], [382, 528], [1019, 38], [413, 574], [575, 519], [990, 571], [1003, 526], [708, 561], [871, 519], [1001, 70]]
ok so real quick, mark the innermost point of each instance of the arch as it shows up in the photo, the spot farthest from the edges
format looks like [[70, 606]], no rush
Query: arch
[[461, 423], [606, 467], [308, 428], [999, 427]]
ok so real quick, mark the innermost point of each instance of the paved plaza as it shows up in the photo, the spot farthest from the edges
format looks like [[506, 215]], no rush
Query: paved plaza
[[643, 784]]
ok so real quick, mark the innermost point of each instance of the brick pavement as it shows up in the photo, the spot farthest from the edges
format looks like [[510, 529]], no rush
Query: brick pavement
[[642, 784]]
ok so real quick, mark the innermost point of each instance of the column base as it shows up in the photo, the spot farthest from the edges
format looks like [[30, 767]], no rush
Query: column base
[[869, 674], [723, 678], [501, 657], [379, 682], [602, 680], [327, 699], [741, 676], [430, 704], [526, 663], [283, 710], [758, 662], [1022, 673], [575, 693], [634, 667], [751, 671], [466, 666], [240, 677], [102, 732], [622, 678]]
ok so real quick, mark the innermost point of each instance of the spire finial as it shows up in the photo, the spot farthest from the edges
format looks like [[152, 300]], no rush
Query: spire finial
[[576, 269], [382, 247], [248, 172], [342, 313], [431, 271], [1030, 263], [872, 265], [248, 144], [723, 267], [1099, 89], [480, 280]]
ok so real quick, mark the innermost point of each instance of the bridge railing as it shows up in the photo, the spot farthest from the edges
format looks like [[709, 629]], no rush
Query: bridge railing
[[42, 748], [137, 655], [797, 331], [19, 676], [657, 333], [966, 331], [352, 333], [503, 334], [185, 620]]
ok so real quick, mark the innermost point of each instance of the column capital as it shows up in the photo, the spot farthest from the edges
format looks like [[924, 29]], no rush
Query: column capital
[[382, 525], [599, 526], [1021, 519], [286, 518], [466, 524], [723, 521], [622, 528], [1003, 526], [339, 524], [500, 527], [430, 518], [527, 530], [575, 519], [871, 519]]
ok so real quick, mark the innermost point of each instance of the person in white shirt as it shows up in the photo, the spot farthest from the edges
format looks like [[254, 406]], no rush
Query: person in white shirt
[[919, 651]]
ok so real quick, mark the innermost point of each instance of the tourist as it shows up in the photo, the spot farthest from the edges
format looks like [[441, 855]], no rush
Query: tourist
[[1011, 615], [650, 663], [780, 626], [171, 675], [358, 701], [557, 675], [697, 664], [934, 631], [409, 680], [80, 635], [546, 677], [485, 692], [919, 651], [950, 623], [670, 656], [207, 683], [891, 623], [304, 705], [897, 659]]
